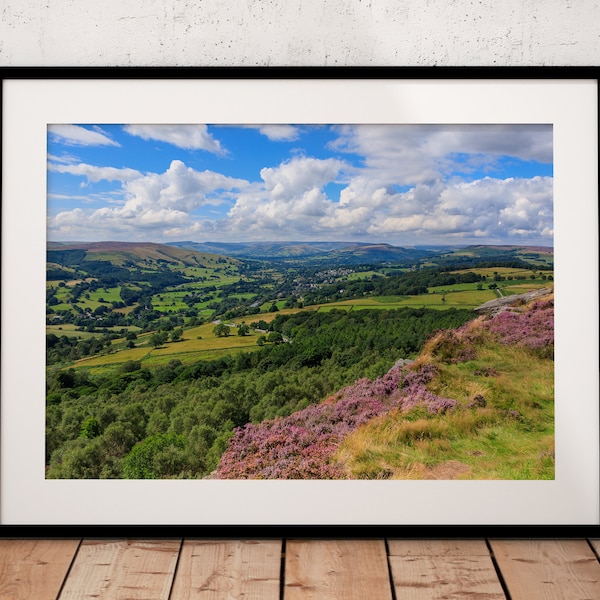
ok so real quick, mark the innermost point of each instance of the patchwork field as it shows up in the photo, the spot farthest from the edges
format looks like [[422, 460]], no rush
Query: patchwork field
[[197, 343]]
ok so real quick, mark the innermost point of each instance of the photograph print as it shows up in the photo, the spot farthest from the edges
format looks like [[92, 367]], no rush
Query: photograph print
[[310, 302]]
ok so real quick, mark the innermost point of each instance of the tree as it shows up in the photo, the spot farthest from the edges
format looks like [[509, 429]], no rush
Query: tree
[[275, 337], [158, 339], [221, 330], [176, 334], [159, 456], [243, 329], [90, 428]]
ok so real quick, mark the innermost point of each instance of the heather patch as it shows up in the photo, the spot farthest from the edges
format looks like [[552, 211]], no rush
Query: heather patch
[[452, 346], [302, 445], [533, 329]]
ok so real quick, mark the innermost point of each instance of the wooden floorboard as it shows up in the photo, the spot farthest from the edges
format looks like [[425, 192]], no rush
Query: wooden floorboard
[[34, 568], [332, 569], [548, 569], [122, 570], [228, 569], [438, 570], [394, 569]]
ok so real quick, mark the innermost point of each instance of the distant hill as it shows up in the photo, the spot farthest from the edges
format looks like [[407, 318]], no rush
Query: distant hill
[[140, 254], [491, 252], [354, 253], [340, 252], [190, 253]]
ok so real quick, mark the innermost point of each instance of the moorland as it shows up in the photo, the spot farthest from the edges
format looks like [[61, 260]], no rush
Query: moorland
[[297, 360]]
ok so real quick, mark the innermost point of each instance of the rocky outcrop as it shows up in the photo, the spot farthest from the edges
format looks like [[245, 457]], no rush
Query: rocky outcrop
[[511, 303]]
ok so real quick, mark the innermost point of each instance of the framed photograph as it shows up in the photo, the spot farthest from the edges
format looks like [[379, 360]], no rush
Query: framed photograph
[[302, 298]]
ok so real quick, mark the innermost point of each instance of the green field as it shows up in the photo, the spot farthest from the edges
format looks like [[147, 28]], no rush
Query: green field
[[465, 296], [502, 271], [112, 294], [169, 301], [198, 343], [191, 348], [363, 275], [71, 330], [457, 299], [213, 271]]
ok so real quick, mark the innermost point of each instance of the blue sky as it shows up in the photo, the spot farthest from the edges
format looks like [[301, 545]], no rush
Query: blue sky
[[400, 184]]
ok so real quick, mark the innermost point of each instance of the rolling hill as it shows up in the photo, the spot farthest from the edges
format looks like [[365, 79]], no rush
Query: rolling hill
[[332, 252], [140, 254]]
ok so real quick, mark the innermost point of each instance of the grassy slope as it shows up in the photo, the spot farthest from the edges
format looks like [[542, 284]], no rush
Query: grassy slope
[[511, 437]]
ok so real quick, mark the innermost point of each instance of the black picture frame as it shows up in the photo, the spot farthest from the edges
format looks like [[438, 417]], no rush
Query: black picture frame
[[306, 529]]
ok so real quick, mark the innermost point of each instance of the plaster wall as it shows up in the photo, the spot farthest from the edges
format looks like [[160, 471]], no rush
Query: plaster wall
[[299, 32]]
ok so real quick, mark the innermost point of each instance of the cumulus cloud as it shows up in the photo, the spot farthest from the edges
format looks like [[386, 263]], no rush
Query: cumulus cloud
[[279, 133], [188, 137], [397, 184], [299, 175], [179, 188], [75, 135], [496, 209], [413, 154], [290, 196], [95, 174], [156, 201]]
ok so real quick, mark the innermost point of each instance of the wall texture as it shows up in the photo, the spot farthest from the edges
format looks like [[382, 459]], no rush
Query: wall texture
[[299, 32]]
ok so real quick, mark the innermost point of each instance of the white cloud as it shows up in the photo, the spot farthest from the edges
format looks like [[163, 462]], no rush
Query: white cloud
[[414, 154], [155, 201], [279, 133], [75, 135], [72, 197], [290, 199], [402, 185], [64, 158], [95, 174], [276, 132], [299, 175], [178, 188], [187, 137], [347, 220], [492, 208]]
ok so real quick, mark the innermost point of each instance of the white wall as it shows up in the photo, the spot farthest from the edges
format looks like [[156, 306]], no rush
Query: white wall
[[299, 32]]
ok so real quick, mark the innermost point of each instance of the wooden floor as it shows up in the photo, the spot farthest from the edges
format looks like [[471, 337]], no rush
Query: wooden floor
[[290, 569]]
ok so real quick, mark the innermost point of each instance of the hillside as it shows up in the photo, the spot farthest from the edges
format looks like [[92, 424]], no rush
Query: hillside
[[331, 252], [126, 253], [359, 253], [478, 403]]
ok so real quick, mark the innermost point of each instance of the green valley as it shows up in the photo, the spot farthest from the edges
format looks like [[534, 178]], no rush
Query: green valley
[[156, 353]]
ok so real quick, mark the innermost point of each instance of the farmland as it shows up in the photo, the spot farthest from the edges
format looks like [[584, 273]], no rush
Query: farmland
[[233, 339]]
